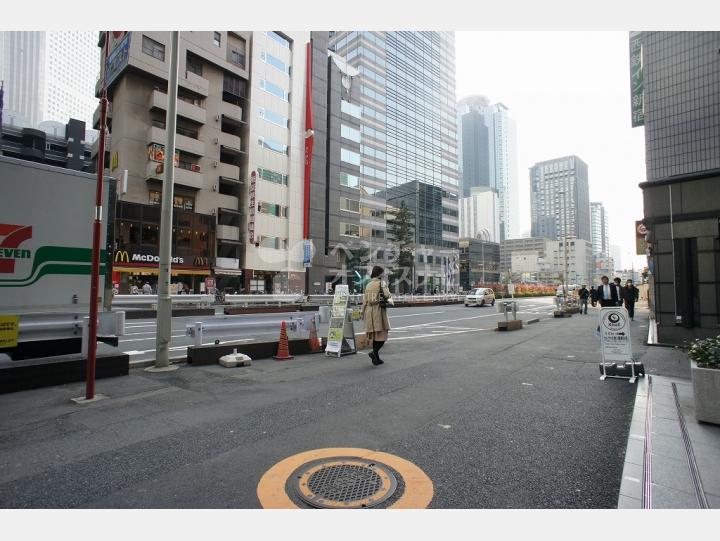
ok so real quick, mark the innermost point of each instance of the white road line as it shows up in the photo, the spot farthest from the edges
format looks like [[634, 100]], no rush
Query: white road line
[[177, 348], [433, 335], [411, 315], [447, 321]]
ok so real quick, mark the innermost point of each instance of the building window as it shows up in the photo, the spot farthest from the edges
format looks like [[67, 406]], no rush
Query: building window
[[350, 109], [351, 181], [237, 58], [272, 145], [275, 62], [279, 39], [349, 230], [350, 133], [217, 39], [153, 48], [273, 118], [273, 209], [193, 64], [273, 242], [349, 156], [350, 205], [274, 89], [272, 176]]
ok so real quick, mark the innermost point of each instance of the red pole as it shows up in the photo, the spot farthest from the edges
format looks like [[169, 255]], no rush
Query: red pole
[[97, 229], [308, 139]]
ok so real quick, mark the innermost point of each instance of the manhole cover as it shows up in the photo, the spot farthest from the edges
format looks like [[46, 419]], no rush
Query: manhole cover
[[343, 483]]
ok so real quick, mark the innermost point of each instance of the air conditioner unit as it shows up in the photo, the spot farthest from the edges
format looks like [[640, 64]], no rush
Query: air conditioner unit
[[214, 187], [215, 164], [195, 168], [216, 140], [217, 117]]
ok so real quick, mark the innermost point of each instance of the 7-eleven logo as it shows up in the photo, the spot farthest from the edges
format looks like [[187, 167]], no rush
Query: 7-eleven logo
[[12, 236]]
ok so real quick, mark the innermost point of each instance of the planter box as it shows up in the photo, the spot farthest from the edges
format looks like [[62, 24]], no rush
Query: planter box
[[706, 390], [512, 325]]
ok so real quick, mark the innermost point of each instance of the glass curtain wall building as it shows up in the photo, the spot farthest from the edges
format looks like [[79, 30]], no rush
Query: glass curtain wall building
[[406, 116]]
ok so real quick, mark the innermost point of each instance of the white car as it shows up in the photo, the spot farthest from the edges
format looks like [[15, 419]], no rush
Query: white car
[[480, 297]]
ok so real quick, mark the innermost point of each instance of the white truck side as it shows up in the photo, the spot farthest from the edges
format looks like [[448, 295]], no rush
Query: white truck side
[[46, 217]]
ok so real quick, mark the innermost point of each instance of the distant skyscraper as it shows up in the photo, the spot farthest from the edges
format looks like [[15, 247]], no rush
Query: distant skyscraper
[[487, 143], [22, 62], [599, 228], [559, 199], [616, 255], [479, 215], [49, 76]]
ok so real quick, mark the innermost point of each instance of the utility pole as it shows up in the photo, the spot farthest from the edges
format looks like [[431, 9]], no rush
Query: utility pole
[[164, 307]]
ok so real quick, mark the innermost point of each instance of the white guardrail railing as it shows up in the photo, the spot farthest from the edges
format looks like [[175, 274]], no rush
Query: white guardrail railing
[[297, 326], [147, 300], [267, 300]]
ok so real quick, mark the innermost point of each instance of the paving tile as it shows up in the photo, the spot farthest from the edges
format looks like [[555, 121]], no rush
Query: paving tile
[[668, 446], [631, 483], [713, 501], [668, 498], [664, 412], [710, 477], [665, 401], [635, 452], [625, 502], [705, 455], [703, 433], [672, 473], [666, 427]]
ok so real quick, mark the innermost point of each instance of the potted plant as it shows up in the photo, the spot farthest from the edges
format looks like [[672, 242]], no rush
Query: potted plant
[[705, 361]]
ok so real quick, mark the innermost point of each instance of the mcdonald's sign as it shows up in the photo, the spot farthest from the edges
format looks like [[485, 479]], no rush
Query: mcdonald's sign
[[122, 256], [114, 161], [201, 262]]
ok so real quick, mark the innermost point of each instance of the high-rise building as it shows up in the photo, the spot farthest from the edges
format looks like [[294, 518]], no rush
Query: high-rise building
[[675, 80], [599, 229], [48, 76], [574, 257], [22, 63], [387, 115], [487, 149], [560, 199], [479, 263], [238, 192], [509, 247], [479, 215]]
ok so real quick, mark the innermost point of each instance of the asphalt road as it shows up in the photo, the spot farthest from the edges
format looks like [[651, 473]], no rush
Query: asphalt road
[[496, 420], [140, 335]]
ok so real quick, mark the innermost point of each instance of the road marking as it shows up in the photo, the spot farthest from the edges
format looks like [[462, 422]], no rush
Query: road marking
[[177, 348], [435, 335], [446, 321], [420, 314], [528, 384]]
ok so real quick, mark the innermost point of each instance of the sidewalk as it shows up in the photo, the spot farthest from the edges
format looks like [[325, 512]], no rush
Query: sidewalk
[[672, 461]]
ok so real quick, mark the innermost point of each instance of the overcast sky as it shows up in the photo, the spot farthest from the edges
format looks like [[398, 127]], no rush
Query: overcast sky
[[569, 94]]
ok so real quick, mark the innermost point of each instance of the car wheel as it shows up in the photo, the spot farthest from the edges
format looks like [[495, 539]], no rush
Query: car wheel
[[492, 303], [482, 302]]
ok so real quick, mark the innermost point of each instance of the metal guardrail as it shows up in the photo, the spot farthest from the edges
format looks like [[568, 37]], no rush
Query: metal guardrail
[[266, 300], [298, 325], [149, 300]]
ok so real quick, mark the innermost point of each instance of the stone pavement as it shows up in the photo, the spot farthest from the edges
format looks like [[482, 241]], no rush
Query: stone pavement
[[672, 461]]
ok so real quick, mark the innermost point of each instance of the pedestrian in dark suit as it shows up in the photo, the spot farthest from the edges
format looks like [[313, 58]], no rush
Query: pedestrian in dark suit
[[619, 288], [607, 293], [630, 296]]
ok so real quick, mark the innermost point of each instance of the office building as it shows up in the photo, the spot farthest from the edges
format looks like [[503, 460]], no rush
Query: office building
[[479, 263], [480, 214], [48, 76], [674, 94], [559, 199], [599, 230], [388, 135], [238, 192], [487, 149], [573, 257], [509, 247]]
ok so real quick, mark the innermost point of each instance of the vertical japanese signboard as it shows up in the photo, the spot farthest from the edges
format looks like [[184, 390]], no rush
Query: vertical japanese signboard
[[637, 106], [337, 319], [252, 208], [640, 242]]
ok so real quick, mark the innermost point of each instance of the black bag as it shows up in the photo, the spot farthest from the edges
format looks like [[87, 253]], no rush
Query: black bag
[[382, 299]]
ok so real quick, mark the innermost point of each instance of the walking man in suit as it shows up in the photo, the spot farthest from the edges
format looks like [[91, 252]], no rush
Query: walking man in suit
[[607, 293], [620, 291], [631, 296]]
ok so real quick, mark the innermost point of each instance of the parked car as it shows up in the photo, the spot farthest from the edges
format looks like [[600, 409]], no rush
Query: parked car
[[480, 297]]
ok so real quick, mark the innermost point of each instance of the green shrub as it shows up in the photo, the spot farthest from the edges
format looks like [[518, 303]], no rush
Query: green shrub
[[706, 353]]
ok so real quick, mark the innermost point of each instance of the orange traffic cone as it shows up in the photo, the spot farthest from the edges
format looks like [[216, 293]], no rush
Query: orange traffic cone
[[283, 353], [313, 341]]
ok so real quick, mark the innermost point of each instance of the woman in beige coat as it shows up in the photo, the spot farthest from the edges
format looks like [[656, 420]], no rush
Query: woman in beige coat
[[375, 317]]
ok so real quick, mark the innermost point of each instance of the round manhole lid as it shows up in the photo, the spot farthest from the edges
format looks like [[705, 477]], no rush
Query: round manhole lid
[[343, 483]]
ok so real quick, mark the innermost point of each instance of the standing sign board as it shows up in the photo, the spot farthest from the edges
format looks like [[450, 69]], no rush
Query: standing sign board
[[615, 339], [341, 335]]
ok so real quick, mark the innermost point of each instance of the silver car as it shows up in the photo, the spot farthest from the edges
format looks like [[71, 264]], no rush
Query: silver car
[[480, 297]]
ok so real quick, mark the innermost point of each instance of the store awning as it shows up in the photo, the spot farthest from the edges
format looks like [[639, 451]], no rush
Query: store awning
[[228, 272], [154, 270]]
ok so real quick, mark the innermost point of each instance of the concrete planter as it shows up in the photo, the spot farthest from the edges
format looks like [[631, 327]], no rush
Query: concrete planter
[[706, 390]]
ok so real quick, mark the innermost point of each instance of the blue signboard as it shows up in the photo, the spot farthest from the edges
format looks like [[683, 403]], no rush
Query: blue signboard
[[117, 60], [307, 253]]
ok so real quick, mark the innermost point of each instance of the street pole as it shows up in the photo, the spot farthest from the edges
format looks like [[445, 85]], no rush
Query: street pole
[[164, 307], [97, 229]]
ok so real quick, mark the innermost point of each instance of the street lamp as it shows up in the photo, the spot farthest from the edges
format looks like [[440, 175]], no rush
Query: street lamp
[[565, 254]]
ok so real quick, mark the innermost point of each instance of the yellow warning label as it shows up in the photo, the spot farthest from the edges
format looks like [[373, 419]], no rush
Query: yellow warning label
[[9, 329]]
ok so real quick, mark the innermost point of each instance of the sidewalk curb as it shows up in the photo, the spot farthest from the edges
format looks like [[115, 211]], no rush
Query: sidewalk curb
[[631, 485]]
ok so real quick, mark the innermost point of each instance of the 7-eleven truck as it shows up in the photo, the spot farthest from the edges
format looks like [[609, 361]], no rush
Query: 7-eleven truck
[[46, 217]]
